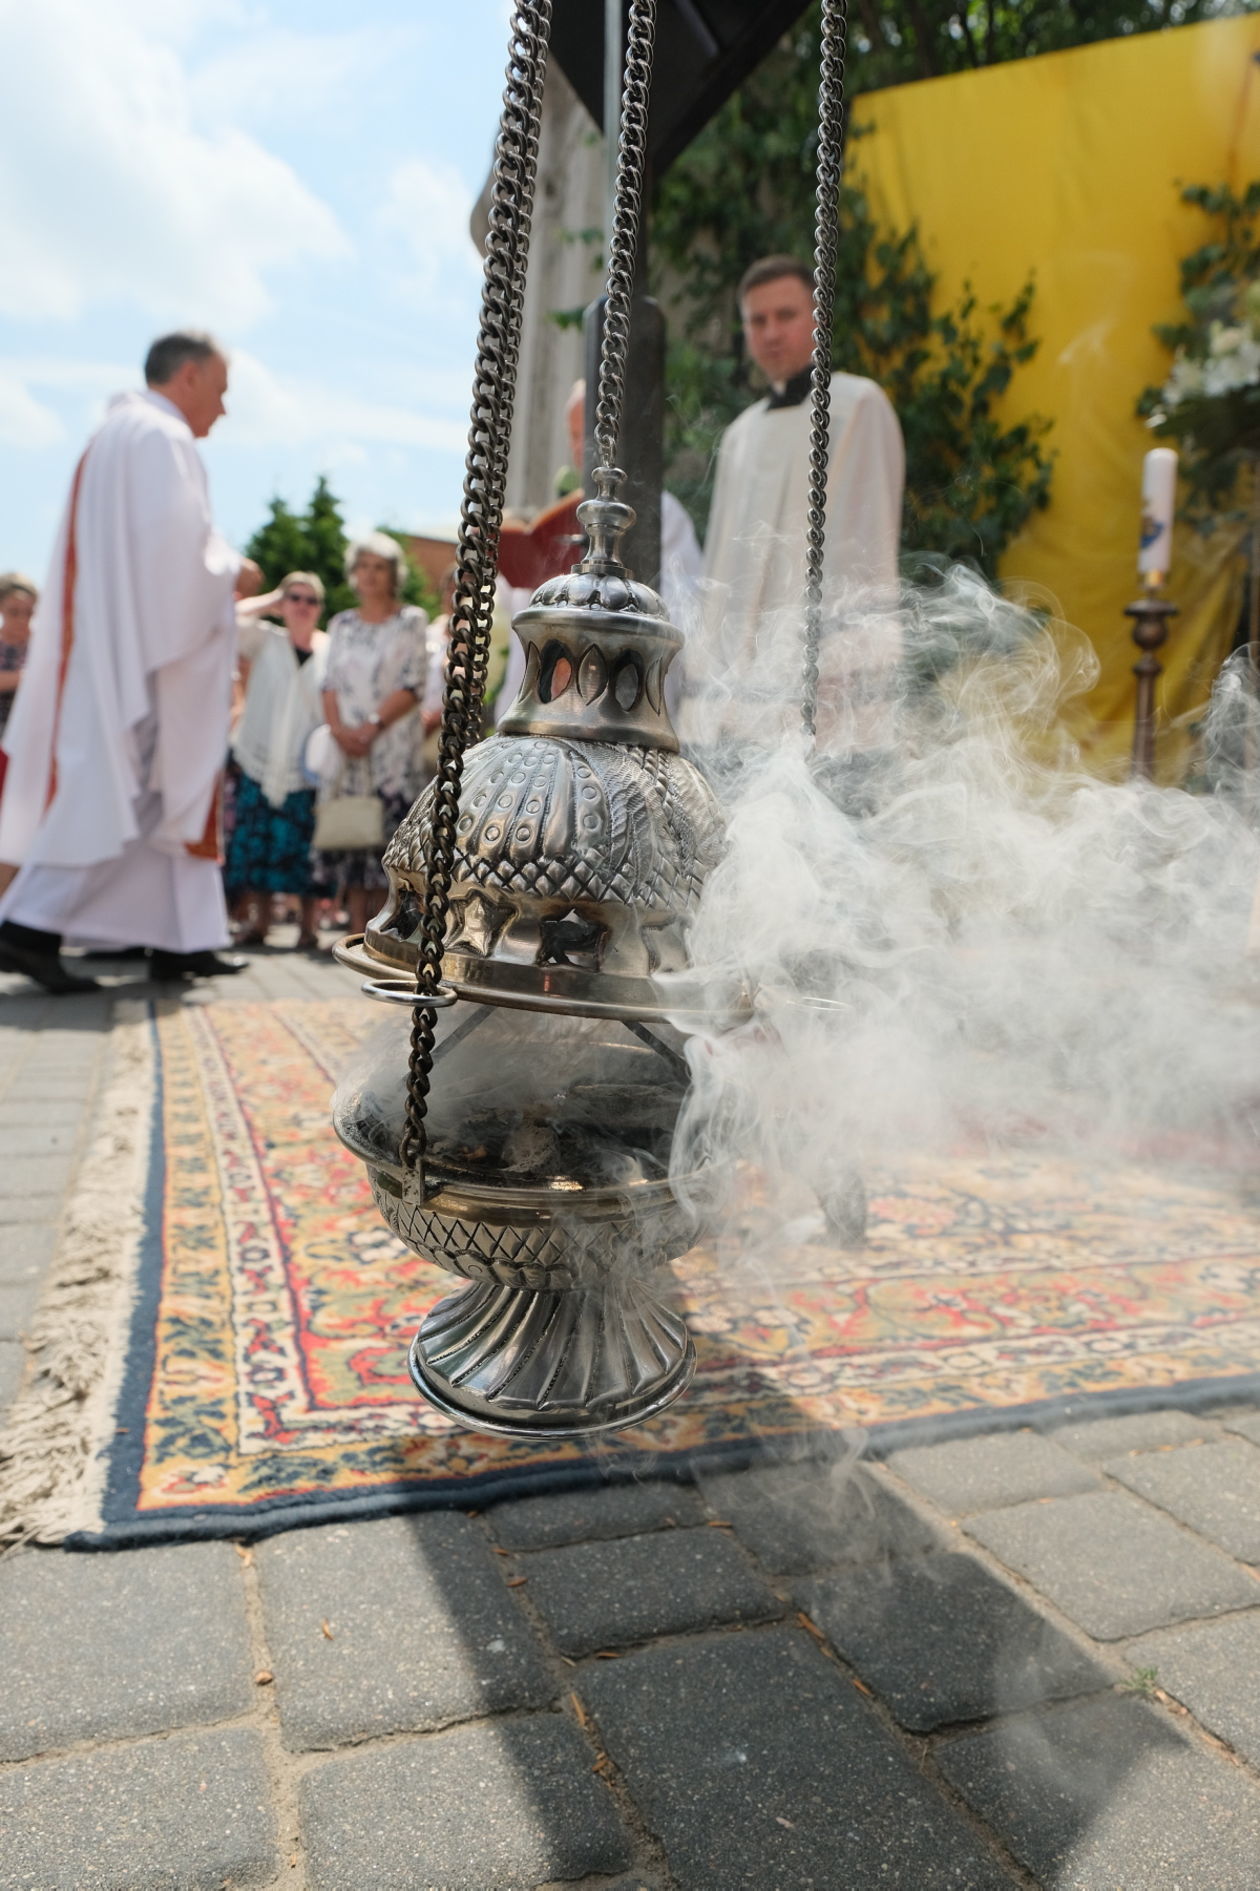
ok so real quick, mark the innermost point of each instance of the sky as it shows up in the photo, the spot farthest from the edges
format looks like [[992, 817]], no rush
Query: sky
[[297, 178]]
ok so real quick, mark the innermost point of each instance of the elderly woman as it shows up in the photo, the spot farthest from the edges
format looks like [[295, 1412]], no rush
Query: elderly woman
[[375, 677], [18, 598], [270, 846]]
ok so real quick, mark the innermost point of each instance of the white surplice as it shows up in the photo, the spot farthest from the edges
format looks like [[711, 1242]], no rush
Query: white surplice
[[744, 663], [118, 735]]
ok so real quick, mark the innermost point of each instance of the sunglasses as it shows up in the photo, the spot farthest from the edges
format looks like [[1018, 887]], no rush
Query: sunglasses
[[300, 597]]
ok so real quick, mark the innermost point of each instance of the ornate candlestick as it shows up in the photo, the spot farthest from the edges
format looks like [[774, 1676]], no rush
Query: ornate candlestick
[[1151, 614]]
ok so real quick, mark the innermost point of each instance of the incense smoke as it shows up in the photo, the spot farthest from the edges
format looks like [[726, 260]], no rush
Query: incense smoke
[[955, 935]]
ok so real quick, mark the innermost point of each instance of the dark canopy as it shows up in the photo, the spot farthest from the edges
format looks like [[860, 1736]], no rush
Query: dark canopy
[[704, 49]]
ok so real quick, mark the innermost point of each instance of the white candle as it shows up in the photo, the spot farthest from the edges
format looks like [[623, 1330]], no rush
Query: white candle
[[1159, 502]]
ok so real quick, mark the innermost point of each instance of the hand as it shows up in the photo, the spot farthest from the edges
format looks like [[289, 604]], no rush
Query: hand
[[350, 742], [248, 579], [259, 606]]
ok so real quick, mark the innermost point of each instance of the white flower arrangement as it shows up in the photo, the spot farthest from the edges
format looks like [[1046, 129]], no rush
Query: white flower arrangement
[[1209, 404], [1231, 362]]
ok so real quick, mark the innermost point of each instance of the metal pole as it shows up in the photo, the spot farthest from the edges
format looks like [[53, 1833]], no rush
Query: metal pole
[[643, 410], [614, 46]]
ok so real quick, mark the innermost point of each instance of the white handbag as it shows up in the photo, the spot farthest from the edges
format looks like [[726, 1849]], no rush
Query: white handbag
[[350, 822], [344, 823]]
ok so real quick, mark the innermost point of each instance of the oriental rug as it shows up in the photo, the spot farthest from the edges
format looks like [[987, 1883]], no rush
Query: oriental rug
[[262, 1379]]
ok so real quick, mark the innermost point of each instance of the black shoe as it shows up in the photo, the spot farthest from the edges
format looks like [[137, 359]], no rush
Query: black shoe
[[46, 968], [164, 966], [116, 952]]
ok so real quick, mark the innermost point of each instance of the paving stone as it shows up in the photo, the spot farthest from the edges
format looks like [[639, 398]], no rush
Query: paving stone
[[1106, 1795], [78, 1030], [12, 1362], [1005, 1467], [607, 1595], [1099, 1438], [37, 1206], [17, 1303], [33, 1176], [23, 1007], [76, 1070], [939, 1639], [1112, 1564], [1211, 1668], [1247, 1426], [1215, 1488], [26, 1248], [757, 1765], [798, 1517], [112, 1646], [189, 1813], [39, 1139], [502, 1806], [536, 1523], [70, 1091], [24, 1114], [423, 1631]]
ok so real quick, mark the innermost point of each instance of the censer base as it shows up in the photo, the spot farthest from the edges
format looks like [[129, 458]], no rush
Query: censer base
[[552, 1365]]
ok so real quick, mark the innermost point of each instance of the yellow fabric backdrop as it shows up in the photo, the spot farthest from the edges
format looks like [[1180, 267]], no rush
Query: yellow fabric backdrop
[[1070, 165]]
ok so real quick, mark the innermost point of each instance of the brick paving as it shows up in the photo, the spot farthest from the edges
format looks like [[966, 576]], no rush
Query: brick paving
[[1025, 1659]]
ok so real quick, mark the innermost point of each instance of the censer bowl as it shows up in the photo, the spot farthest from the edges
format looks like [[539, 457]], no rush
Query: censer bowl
[[545, 1188]]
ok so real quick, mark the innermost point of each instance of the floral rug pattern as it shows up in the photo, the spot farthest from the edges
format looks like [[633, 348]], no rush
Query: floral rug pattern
[[267, 1378]]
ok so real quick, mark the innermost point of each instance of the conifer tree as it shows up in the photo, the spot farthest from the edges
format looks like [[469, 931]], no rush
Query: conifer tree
[[316, 541], [279, 546], [326, 535]]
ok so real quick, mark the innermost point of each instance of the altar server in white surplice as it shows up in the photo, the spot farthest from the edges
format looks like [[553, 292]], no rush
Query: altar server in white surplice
[[120, 729], [744, 674]]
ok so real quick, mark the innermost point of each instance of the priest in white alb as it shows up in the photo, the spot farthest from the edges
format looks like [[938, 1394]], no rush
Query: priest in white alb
[[744, 667], [118, 737]]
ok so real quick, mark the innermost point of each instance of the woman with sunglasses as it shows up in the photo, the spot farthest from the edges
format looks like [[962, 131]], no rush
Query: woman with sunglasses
[[269, 850]]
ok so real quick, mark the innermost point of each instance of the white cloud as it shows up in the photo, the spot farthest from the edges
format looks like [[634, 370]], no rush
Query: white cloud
[[28, 422], [24, 421], [115, 191], [426, 211], [98, 378], [265, 409], [283, 76]]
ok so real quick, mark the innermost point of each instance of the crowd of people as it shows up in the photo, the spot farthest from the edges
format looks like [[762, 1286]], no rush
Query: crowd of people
[[184, 752]]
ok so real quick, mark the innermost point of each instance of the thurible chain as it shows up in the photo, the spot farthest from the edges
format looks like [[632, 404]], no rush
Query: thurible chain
[[481, 514], [624, 235], [826, 250]]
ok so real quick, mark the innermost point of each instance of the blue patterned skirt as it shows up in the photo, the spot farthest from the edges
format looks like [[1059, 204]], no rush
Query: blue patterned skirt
[[270, 848]]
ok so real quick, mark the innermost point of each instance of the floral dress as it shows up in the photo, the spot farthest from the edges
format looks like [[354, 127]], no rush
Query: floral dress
[[367, 663]]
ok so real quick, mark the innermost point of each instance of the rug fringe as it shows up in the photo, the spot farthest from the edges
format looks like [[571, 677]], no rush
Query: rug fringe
[[52, 1464]]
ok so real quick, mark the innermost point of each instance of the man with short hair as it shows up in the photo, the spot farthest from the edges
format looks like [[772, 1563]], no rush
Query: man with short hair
[[755, 549], [119, 733]]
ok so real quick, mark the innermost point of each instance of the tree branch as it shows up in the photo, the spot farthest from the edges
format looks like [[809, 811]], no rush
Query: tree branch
[[923, 42], [872, 20], [973, 51]]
